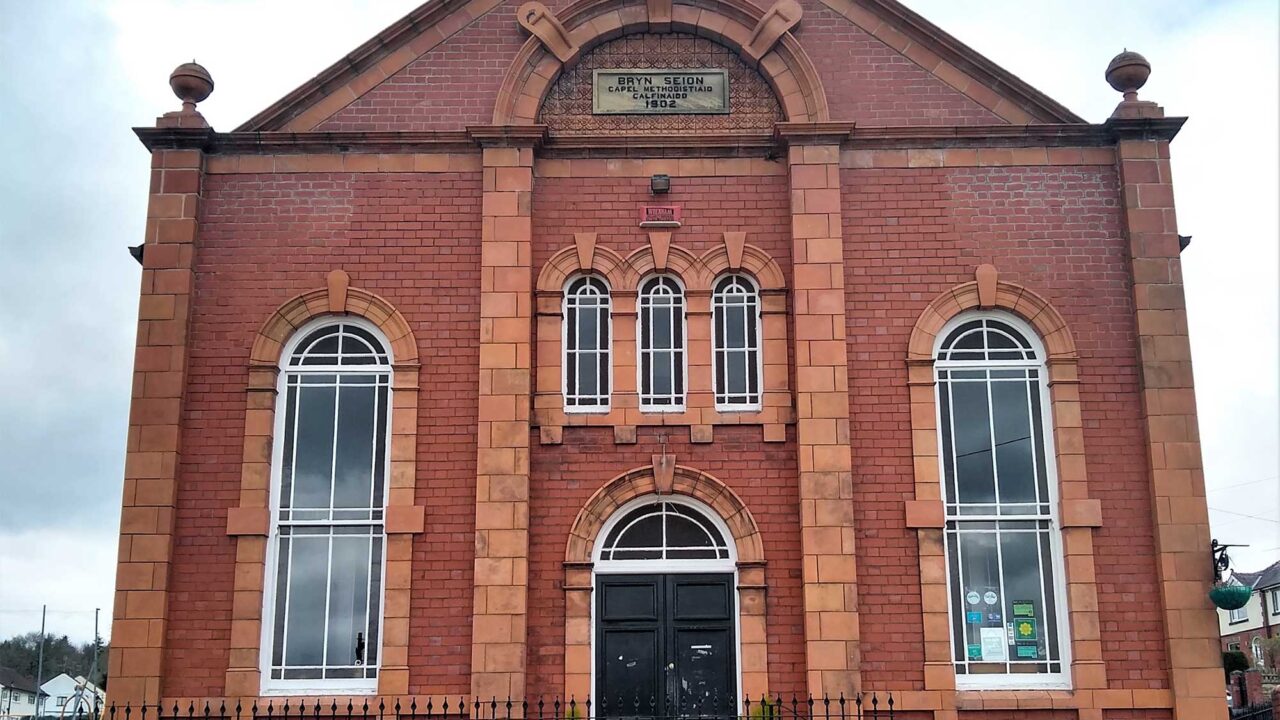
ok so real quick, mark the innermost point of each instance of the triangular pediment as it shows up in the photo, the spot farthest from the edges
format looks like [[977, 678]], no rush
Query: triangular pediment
[[437, 44]]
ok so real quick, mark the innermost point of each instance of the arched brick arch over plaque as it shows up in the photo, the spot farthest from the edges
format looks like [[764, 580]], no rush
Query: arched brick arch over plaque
[[579, 581], [759, 36], [250, 521]]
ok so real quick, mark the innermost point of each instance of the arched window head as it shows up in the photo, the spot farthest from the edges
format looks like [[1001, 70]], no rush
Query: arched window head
[[664, 531], [661, 339], [587, 338], [1003, 541], [986, 339], [735, 329], [340, 344], [329, 474]]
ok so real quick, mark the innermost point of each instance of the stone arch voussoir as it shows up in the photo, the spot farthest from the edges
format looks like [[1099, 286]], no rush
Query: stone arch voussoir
[[1031, 307], [587, 23], [337, 299], [688, 482]]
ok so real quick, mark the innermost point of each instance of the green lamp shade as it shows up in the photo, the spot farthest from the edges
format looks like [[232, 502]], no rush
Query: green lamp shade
[[1230, 597]]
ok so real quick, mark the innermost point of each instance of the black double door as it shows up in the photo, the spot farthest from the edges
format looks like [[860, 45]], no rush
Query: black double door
[[665, 646]]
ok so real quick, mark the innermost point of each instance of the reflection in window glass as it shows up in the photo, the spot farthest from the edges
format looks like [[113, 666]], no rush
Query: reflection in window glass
[[328, 522], [1001, 536]]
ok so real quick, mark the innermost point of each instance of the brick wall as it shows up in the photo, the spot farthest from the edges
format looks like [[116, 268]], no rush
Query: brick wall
[[912, 233], [412, 238], [878, 85], [447, 88]]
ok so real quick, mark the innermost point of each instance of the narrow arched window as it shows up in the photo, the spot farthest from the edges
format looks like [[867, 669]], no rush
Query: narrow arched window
[[324, 596], [586, 344], [735, 330], [1002, 538], [661, 339]]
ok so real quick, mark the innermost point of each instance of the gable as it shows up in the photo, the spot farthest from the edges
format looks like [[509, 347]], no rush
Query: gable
[[442, 68]]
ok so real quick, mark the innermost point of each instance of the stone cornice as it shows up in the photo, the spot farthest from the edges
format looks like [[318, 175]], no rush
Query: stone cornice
[[1165, 128], [685, 145], [508, 135]]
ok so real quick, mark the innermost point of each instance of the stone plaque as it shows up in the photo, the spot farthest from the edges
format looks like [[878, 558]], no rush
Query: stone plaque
[[660, 92]]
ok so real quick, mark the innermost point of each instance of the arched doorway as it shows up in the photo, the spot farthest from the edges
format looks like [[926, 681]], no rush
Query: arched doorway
[[665, 611]]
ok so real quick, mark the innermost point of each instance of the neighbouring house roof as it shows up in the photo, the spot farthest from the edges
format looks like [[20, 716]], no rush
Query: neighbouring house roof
[[11, 678], [1261, 580]]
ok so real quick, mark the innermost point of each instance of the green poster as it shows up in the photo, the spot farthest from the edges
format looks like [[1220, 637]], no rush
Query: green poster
[[1025, 629], [1030, 652], [1022, 608], [975, 652]]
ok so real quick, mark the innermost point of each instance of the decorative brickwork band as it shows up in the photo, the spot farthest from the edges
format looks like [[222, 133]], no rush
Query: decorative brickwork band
[[1080, 514], [250, 521], [761, 37], [152, 458], [579, 582]]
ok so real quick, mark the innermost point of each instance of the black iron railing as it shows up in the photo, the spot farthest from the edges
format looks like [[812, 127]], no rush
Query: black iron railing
[[862, 706]]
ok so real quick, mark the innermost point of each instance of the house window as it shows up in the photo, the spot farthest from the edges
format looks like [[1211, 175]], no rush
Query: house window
[[1275, 601], [1233, 647], [1255, 648], [661, 339], [330, 468], [586, 345], [1238, 615], [1003, 543], [735, 327]]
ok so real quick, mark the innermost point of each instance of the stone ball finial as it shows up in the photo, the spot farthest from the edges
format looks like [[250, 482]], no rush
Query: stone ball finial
[[191, 83], [1128, 72]]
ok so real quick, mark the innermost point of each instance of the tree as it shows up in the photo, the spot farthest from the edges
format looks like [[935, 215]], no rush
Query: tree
[[1233, 660], [61, 655]]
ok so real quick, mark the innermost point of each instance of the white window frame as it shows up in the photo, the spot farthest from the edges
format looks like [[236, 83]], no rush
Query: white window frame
[[1258, 652], [568, 356], [1238, 615], [1010, 681], [324, 686], [1275, 601], [757, 367], [683, 349]]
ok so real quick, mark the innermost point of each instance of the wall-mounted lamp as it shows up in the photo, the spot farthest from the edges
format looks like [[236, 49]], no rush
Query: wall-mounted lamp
[[136, 251], [660, 184]]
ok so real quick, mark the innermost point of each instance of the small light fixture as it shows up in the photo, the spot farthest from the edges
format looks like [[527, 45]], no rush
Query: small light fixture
[[137, 251], [660, 184]]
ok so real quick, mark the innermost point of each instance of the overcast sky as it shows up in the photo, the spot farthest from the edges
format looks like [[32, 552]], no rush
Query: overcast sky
[[75, 76]]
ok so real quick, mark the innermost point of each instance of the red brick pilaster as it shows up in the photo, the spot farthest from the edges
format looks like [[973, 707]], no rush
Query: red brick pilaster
[[498, 649], [1169, 409], [822, 411], [151, 461]]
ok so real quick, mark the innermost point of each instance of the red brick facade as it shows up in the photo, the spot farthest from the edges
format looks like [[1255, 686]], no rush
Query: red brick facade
[[911, 180]]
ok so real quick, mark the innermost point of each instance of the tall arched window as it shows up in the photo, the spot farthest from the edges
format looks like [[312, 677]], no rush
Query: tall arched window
[[661, 339], [735, 330], [1003, 540], [586, 344], [324, 597]]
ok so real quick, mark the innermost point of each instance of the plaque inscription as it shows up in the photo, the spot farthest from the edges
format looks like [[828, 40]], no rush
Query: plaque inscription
[[660, 92]]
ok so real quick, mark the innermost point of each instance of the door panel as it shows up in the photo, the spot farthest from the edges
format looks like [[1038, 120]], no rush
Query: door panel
[[703, 672], [630, 671], [665, 645]]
